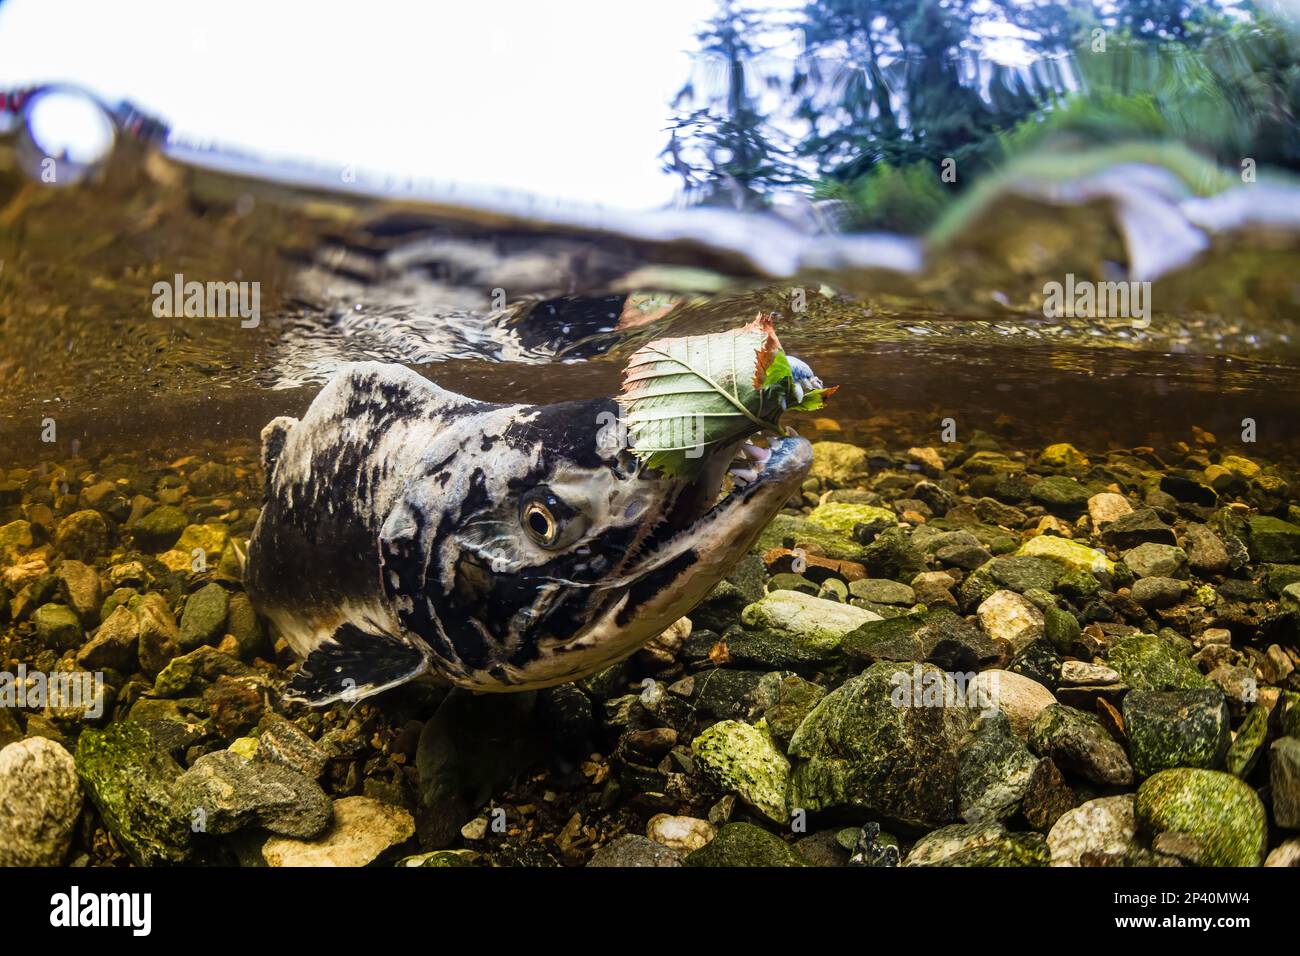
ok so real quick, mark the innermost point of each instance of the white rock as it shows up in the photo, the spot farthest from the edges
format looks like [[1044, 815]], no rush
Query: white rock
[[1105, 825], [476, 829], [1017, 696], [680, 833], [1008, 617], [1287, 854], [40, 799], [1082, 673], [363, 829], [807, 619], [1106, 507]]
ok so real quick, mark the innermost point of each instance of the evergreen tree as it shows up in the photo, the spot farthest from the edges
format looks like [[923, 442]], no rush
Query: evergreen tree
[[726, 151]]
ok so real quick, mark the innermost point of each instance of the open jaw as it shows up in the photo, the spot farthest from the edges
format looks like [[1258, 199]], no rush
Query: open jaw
[[673, 577]]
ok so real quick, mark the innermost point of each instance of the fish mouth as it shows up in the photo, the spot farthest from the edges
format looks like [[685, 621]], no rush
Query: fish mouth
[[710, 522]]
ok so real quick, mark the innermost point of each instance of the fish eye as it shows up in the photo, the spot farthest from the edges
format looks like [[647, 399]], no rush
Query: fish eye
[[546, 518], [541, 523]]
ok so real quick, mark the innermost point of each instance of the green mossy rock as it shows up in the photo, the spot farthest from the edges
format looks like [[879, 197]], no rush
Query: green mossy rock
[[940, 637], [159, 529], [743, 758], [994, 772], [795, 699], [1149, 662], [887, 742], [791, 531], [132, 782], [1284, 782], [82, 535], [1273, 540], [892, 555], [768, 649], [1062, 494], [1247, 746], [1072, 554], [810, 621], [1223, 814], [1063, 457], [243, 624], [57, 626], [15, 536], [979, 844], [204, 619], [1176, 728], [842, 517], [1021, 573], [211, 538], [744, 844], [1076, 741]]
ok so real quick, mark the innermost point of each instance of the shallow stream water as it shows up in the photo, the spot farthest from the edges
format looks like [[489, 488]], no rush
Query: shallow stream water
[[541, 303]]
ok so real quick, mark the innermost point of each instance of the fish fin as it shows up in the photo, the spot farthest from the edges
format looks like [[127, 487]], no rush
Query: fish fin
[[273, 438], [353, 664]]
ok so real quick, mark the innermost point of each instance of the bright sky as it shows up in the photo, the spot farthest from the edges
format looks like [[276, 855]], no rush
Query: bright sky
[[566, 98]]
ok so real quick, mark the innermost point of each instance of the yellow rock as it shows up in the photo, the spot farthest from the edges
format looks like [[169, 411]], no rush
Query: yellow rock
[[838, 463], [363, 829], [1241, 467], [246, 747], [1063, 456], [175, 560], [842, 516], [1072, 554], [211, 538], [926, 457]]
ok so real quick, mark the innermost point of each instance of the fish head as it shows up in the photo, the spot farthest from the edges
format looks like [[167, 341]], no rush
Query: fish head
[[531, 548]]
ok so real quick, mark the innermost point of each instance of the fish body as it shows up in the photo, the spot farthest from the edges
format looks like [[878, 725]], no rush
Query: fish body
[[504, 547]]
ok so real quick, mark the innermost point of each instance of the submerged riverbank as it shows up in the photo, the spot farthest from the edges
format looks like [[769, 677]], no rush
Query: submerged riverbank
[[967, 654]]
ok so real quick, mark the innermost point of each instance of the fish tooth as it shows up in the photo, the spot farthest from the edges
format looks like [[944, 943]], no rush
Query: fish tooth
[[798, 393], [744, 474]]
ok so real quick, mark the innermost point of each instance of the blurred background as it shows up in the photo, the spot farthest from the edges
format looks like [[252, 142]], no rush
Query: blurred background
[[479, 191], [686, 100]]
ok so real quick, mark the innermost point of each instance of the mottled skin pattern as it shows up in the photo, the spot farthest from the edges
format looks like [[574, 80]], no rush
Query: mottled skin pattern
[[392, 540]]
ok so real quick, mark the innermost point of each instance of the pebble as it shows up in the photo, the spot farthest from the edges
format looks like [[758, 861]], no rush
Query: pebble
[[811, 620], [1099, 828], [40, 800], [634, 851], [1010, 618], [1084, 673], [363, 829], [1105, 508], [1020, 698], [1157, 592], [684, 834], [1155, 560], [224, 792]]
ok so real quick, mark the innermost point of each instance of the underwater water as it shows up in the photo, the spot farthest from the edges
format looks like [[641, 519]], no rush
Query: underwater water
[[1001, 441]]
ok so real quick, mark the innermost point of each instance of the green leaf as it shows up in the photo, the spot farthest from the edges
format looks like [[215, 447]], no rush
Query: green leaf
[[778, 371], [684, 396], [814, 400]]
